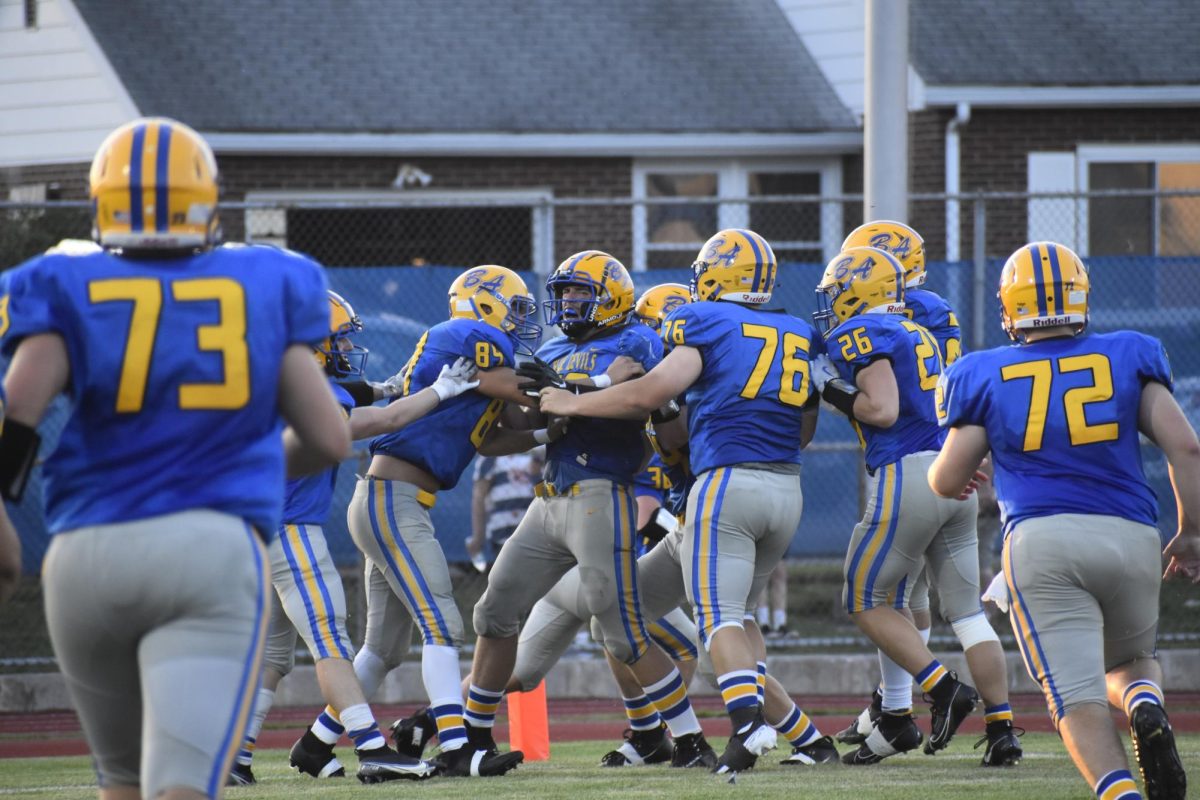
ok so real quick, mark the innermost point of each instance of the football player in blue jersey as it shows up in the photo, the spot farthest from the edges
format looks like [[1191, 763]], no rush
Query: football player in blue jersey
[[492, 317], [584, 512], [933, 313], [182, 362], [309, 598], [751, 408], [10, 544], [881, 371], [1061, 413]]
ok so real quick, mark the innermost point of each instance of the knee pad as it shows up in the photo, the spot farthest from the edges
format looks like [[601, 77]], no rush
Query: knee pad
[[974, 630], [619, 648], [282, 661], [488, 624]]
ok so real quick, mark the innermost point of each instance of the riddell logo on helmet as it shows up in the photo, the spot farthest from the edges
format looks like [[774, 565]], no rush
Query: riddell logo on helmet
[[1049, 322], [756, 300]]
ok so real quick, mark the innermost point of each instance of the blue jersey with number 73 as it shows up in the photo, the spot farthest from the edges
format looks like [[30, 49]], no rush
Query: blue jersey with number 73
[[174, 376], [746, 405]]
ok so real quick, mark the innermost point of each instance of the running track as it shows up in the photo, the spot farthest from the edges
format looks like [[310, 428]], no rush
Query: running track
[[56, 733]]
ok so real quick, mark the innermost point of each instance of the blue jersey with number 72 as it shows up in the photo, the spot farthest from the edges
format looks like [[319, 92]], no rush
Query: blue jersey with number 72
[[174, 377], [916, 362], [746, 404], [1062, 419]]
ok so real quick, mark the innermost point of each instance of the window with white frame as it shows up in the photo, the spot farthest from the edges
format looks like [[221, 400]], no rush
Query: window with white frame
[[681, 203], [1147, 220]]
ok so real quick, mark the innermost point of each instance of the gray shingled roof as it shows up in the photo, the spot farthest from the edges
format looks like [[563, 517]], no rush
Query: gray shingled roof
[[406, 66], [1056, 42]]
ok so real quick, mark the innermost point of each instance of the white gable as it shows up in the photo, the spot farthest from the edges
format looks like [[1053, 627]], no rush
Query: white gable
[[59, 96], [834, 32]]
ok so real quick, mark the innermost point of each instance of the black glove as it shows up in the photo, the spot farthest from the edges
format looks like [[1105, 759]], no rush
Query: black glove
[[538, 375], [659, 526]]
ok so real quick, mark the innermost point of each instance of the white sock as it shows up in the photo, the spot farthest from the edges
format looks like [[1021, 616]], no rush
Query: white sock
[[897, 684], [262, 706], [762, 615], [371, 670], [440, 674], [779, 619]]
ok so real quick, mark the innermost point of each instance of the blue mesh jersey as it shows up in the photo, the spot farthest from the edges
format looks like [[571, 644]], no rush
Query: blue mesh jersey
[[916, 363], [653, 481], [593, 447], [933, 313], [675, 470], [445, 440], [307, 500], [746, 405], [174, 375], [1062, 418]]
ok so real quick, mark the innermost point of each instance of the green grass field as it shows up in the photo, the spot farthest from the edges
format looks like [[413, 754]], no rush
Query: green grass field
[[1045, 774]]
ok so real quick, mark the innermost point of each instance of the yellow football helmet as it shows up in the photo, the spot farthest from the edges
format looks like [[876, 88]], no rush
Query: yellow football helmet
[[736, 265], [499, 297], [1042, 285], [611, 302], [658, 301], [861, 280], [153, 185], [340, 356], [898, 239]]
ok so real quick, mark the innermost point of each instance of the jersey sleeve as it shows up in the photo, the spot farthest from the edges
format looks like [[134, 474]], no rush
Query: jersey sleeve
[[26, 305], [960, 398], [1152, 362], [489, 347], [858, 344], [308, 300], [640, 343], [685, 326]]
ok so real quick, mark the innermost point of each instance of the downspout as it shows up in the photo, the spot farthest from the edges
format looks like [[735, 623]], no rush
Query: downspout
[[962, 115]]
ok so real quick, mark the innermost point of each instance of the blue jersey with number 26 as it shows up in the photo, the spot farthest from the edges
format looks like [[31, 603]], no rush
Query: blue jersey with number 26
[[746, 404], [174, 376], [916, 363], [445, 440], [1062, 419]]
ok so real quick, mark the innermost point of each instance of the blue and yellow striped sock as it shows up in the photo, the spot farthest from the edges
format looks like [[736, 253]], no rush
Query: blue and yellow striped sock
[[1140, 692], [762, 682], [670, 698], [1117, 785], [451, 732], [739, 689], [328, 726], [481, 707], [642, 714], [362, 728], [998, 713], [797, 728], [931, 676]]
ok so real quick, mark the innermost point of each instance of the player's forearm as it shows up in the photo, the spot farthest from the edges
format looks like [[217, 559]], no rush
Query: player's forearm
[[369, 421], [629, 400], [1185, 480]]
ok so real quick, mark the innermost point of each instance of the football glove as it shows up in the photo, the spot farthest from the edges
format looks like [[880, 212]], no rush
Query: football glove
[[538, 375], [455, 379], [822, 371]]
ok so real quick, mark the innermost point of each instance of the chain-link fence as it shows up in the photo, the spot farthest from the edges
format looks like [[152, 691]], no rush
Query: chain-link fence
[[395, 260]]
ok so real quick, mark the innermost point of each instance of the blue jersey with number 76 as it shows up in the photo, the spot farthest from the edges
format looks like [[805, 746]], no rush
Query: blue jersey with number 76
[[746, 405]]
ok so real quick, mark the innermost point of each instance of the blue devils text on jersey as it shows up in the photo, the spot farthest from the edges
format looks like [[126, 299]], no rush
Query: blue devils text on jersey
[[916, 363], [592, 447], [1061, 415], [445, 440], [746, 404], [164, 351]]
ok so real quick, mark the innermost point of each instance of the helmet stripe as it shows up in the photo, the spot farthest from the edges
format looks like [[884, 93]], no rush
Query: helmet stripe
[[135, 178], [162, 179], [758, 259], [1056, 272], [1038, 282]]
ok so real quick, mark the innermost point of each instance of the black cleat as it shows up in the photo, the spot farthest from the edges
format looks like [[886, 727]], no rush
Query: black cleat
[[1003, 748], [743, 748], [857, 731], [640, 748], [313, 757], [385, 764], [1157, 757], [693, 750], [895, 733], [411, 734], [240, 775], [945, 717], [822, 751], [466, 761]]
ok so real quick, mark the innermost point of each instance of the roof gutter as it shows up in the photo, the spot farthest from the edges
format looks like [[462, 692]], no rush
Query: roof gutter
[[537, 144], [1077, 96]]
